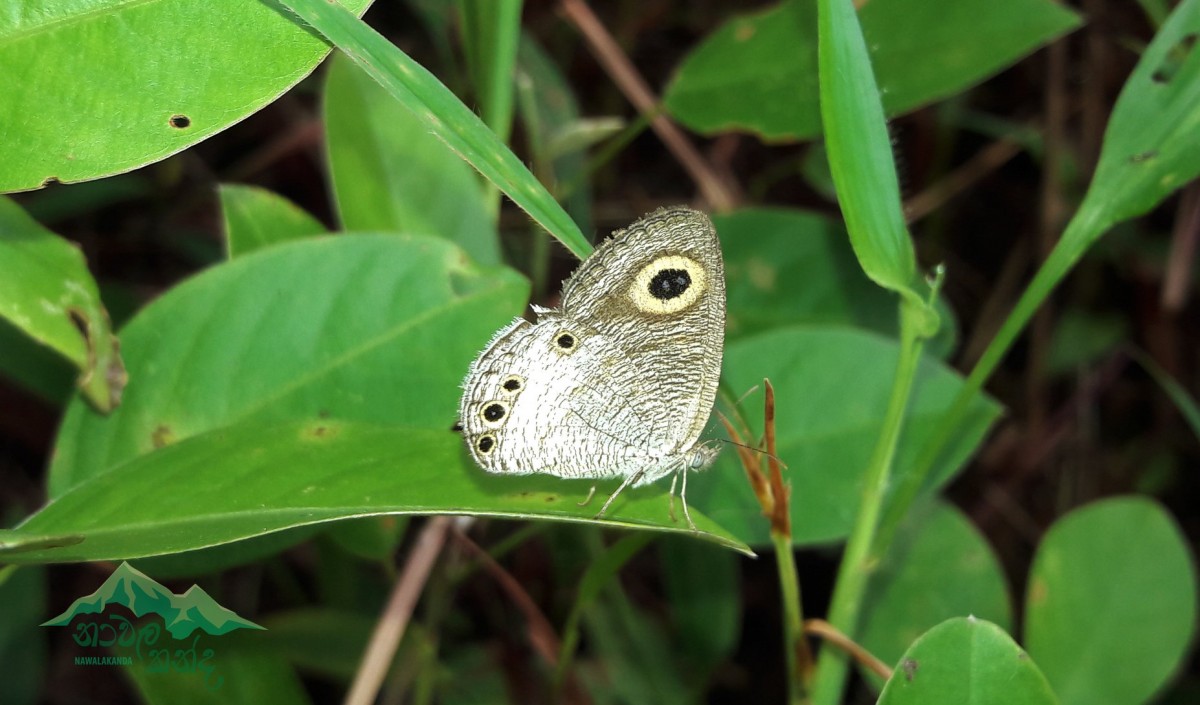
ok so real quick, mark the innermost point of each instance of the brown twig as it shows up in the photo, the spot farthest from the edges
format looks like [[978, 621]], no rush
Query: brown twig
[[394, 620], [781, 517], [825, 630], [1049, 225], [542, 636], [984, 162], [1183, 250], [722, 196]]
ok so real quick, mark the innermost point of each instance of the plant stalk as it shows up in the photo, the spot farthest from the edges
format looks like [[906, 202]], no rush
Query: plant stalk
[[857, 564]]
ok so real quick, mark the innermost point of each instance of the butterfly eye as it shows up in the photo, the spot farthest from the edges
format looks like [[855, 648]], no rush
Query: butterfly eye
[[485, 444]]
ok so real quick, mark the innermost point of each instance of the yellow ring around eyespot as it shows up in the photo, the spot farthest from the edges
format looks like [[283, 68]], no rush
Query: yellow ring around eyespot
[[639, 291]]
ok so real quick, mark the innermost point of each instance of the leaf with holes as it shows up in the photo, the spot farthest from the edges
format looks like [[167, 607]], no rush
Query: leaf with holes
[[160, 75]]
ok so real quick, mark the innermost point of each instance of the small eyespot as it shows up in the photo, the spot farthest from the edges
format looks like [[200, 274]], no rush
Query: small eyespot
[[494, 412], [485, 444], [180, 122], [566, 341], [512, 384]]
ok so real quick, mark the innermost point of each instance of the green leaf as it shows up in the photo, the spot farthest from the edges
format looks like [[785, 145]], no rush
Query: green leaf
[[443, 114], [939, 567], [161, 75], [966, 660], [786, 267], [256, 218], [48, 293], [384, 335], [1150, 149], [256, 478], [1112, 583], [1150, 146], [549, 110], [390, 173], [758, 72], [860, 159], [831, 391], [491, 30]]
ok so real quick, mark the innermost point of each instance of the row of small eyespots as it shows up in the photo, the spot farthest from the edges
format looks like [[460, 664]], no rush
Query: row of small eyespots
[[493, 411]]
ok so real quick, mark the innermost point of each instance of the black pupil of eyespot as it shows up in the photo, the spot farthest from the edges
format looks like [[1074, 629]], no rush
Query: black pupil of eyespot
[[485, 444], [512, 385], [670, 283], [493, 412], [566, 341]]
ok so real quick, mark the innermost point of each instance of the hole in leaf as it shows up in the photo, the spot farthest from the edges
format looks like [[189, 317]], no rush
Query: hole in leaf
[[1175, 58]]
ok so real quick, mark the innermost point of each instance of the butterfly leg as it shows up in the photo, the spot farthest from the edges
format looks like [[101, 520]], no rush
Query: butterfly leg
[[683, 499], [671, 498], [587, 500], [613, 496]]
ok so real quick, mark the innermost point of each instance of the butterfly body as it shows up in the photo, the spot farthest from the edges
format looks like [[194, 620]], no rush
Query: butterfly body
[[621, 380]]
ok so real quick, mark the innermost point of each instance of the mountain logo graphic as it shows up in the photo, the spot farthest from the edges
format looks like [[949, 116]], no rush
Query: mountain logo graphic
[[182, 614]]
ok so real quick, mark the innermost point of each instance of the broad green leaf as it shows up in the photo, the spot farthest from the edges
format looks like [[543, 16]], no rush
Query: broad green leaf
[[374, 328], [442, 113], [260, 477], [256, 218], [860, 160], [210, 561], [390, 173], [1112, 583], [48, 293], [758, 72], [966, 660], [160, 76], [787, 267], [703, 589], [831, 390], [939, 567]]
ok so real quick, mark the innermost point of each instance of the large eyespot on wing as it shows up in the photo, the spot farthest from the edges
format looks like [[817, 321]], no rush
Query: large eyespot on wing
[[669, 284]]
